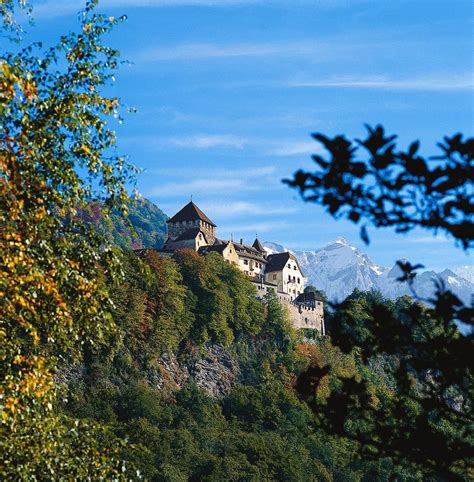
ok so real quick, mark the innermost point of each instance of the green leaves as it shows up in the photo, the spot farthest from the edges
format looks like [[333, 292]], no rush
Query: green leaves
[[57, 153]]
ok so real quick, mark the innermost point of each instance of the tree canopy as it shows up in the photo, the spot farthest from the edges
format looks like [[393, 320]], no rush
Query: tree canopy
[[425, 418], [57, 154]]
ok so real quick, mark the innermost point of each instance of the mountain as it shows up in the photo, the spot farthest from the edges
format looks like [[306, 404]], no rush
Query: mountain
[[148, 221], [467, 272], [338, 268]]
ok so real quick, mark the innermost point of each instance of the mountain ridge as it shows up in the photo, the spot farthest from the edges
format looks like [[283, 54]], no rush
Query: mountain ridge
[[338, 268]]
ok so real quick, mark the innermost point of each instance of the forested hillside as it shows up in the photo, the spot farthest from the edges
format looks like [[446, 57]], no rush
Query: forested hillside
[[203, 382], [144, 226]]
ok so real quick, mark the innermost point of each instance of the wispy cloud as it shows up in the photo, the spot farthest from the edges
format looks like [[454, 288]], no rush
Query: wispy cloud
[[53, 8], [295, 148], [207, 141], [253, 228], [242, 173], [206, 51], [435, 83], [238, 208], [196, 141], [439, 239], [221, 182], [198, 187]]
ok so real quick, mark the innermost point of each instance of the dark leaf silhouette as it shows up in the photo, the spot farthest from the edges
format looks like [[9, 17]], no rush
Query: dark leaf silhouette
[[400, 189]]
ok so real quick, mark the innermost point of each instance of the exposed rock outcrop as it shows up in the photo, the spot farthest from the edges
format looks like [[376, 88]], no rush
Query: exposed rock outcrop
[[213, 369]]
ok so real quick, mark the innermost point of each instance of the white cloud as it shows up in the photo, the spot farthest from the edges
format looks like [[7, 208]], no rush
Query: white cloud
[[435, 239], [253, 228], [201, 51], [53, 8], [197, 187], [243, 173], [295, 148], [196, 141], [219, 181], [207, 141], [238, 208], [435, 83]]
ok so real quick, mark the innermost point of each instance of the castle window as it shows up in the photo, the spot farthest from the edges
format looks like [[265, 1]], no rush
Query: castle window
[[294, 267], [246, 261], [289, 265], [274, 276], [298, 280]]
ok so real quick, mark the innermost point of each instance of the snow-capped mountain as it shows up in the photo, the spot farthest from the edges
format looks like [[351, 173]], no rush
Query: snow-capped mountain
[[467, 272], [338, 268]]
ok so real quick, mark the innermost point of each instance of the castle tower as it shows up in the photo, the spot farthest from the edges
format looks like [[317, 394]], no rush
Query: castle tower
[[259, 247], [191, 217]]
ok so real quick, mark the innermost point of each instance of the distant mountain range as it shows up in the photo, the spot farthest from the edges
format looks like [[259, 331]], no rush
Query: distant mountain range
[[338, 268]]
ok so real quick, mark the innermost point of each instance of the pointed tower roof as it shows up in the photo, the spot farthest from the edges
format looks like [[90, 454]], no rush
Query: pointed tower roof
[[258, 246], [190, 212]]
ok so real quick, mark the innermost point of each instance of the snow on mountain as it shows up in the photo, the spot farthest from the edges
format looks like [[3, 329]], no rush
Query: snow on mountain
[[467, 272], [338, 268]]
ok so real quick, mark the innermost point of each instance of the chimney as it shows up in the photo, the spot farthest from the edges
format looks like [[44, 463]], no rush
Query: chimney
[[241, 241]]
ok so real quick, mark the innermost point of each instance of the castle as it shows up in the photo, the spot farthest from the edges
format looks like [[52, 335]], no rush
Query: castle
[[191, 228]]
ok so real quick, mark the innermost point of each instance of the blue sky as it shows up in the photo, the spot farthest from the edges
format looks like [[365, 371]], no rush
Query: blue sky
[[228, 92]]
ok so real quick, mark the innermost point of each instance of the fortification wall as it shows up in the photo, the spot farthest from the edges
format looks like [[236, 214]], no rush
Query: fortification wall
[[303, 316]]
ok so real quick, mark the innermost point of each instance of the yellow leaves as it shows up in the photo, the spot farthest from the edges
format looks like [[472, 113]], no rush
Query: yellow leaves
[[112, 103], [40, 213], [19, 359], [11, 405], [73, 264], [29, 90], [7, 81], [32, 381], [84, 148]]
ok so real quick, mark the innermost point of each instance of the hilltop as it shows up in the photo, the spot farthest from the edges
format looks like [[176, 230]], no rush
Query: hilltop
[[336, 268]]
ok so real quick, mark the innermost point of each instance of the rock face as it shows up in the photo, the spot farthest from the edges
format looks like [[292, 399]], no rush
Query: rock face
[[214, 370], [338, 268]]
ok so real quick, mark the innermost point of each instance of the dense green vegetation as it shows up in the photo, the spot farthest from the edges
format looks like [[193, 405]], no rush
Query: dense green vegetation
[[143, 227], [268, 421]]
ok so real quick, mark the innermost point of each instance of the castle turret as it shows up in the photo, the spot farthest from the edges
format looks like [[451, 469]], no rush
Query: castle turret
[[191, 217], [259, 246]]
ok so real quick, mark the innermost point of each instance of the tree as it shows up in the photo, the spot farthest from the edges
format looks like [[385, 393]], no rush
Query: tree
[[426, 420], [398, 189], [57, 154], [319, 294]]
